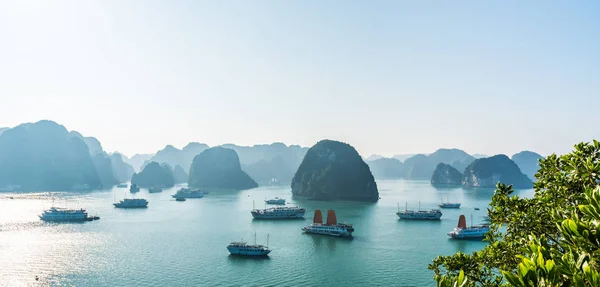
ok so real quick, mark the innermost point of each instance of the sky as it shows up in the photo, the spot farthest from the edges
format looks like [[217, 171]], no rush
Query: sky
[[388, 77]]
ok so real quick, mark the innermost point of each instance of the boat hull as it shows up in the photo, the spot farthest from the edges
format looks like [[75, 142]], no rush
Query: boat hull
[[327, 232], [241, 252], [129, 206], [419, 217]]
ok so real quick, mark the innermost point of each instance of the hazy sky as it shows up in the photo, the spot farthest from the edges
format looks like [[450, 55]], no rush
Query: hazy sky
[[385, 76]]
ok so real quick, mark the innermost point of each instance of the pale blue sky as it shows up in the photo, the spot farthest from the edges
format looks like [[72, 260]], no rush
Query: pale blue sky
[[385, 76]]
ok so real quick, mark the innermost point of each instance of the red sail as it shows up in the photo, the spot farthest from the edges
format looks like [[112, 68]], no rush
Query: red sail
[[462, 222], [331, 219], [318, 217]]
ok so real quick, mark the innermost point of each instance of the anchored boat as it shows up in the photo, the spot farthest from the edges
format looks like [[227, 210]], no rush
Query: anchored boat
[[461, 231], [331, 227], [245, 249], [275, 200], [409, 214], [55, 214], [448, 204]]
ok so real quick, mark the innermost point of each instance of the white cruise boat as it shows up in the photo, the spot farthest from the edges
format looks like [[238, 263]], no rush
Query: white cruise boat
[[473, 232], [245, 249], [409, 214], [448, 204], [122, 185], [331, 227], [280, 212], [132, 203], [188, 193], [56, 214], [275, 200]]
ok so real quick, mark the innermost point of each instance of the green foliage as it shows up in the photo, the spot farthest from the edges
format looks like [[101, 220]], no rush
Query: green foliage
[[551, 239]]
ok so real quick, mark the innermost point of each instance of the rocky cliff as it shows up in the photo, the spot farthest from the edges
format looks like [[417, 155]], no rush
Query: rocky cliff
[[487, 172], [154, 175], [422, 166], [219, 168], [334, 170], [445, 174], [45, 156]]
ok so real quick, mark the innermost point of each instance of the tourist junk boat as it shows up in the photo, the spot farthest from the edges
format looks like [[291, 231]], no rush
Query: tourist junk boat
[[408, 214], [448, 204], [332, 227], [132, 203], [280, 212], [122, 185], [155, 189], [134, 188], [473, 232], [275, 200], [188, 193], [55, 214], [244, 249]]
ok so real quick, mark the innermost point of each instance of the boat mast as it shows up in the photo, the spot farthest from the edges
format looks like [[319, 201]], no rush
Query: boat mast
[[267, 240], [419, 206], [254, 237]]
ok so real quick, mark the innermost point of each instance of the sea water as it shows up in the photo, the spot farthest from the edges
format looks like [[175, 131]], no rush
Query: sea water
[[184, 243]]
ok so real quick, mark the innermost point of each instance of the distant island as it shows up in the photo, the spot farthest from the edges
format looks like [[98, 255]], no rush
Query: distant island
[[219, 168], [334, 170], [487, 172], [386, 168], [446, 175], [154, 175], [528, 162], [46, 156], [422, 166]]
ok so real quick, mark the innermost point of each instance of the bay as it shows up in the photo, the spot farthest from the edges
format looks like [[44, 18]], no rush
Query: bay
[[183, 243]]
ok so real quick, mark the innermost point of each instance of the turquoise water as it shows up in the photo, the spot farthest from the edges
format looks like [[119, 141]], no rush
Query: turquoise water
[[183, 243]]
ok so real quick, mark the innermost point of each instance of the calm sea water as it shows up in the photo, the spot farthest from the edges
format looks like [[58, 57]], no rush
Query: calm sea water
[[183, 243]]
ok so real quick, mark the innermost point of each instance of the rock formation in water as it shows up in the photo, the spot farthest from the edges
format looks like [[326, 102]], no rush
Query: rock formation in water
[[219, 168], [45, 156], [445, 174], [422, 167], [528, 162], [386, 168], [121, 170], [487, 172], [179, 174], [154, 175], [334, 170]]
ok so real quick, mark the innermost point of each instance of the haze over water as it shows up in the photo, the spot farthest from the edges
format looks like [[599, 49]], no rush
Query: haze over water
[[183, 243]]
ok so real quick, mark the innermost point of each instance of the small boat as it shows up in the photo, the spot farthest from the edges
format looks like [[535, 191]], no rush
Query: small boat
[[155, 189], [244, 249], [275, 200], [134, 188], [461, 231], [180, 199], [448, 204], [331, 227], [476, 208], [409, 214], [122, 185]]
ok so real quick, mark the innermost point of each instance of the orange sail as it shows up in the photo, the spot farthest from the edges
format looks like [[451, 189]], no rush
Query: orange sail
[[318, 217], [331, 219], [462, 221]]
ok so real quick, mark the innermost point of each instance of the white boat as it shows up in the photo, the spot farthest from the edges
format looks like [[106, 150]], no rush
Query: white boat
[[131, 203], [122, 185], [188, 193], [448, 204], [461, 231], [409, 214], [56, 214], [275, 200], [331, 227], [245, 249], [280, 212]]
